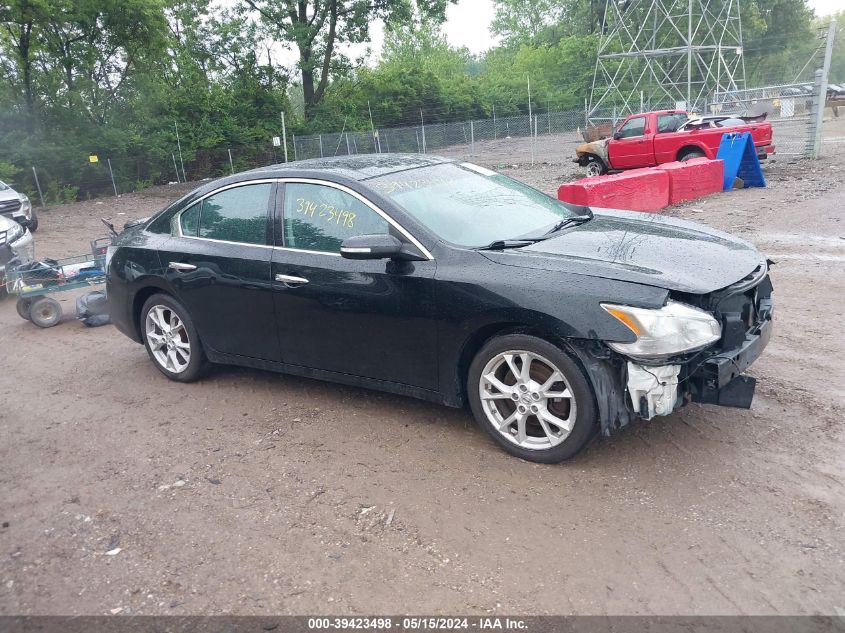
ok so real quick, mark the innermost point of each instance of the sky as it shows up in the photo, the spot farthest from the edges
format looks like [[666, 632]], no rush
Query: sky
[[467, 24], [468, 21]]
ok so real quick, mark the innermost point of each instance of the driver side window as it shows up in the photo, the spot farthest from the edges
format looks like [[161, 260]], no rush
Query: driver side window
[[319, 218], [634, 127]]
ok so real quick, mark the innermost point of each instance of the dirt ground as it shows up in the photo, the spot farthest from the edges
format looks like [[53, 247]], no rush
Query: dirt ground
[[255, 493]]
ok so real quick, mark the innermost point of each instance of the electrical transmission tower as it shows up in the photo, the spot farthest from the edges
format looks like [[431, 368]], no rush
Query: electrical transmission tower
[[666, 53]]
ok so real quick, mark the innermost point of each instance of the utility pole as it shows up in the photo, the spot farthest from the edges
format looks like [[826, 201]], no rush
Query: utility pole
[[284, 136], [689, 58]]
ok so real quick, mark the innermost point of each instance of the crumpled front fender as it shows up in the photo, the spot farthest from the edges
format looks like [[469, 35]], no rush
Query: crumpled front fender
[[585, 151]]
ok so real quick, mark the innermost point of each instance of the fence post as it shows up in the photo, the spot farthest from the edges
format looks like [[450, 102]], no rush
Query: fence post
[[495, 131], [321, 145], [231, 164], [284, 136], [38, 186], [820, 94], [173, 156], [422, 122], [179, 145], [472, 138], [294, 147], [111, 173]]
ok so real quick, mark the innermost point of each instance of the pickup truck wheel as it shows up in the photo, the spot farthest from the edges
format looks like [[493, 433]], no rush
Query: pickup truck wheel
[[595, 167], [693, 153]]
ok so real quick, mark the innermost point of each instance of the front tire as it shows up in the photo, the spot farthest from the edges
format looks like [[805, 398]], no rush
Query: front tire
[[596, 167], [532, 398], [32, 225], [171, 339]]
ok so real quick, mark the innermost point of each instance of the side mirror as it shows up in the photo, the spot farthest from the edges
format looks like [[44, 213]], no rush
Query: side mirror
[[617, 136], [378, 247]]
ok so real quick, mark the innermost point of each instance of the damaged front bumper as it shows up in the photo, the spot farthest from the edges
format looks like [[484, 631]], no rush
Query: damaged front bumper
[[627, 390]]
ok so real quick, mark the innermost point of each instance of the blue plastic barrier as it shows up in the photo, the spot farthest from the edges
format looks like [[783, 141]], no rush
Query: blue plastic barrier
[[737, 151]]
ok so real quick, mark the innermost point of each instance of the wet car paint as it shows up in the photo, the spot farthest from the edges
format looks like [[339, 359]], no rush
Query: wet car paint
[[413, 327]]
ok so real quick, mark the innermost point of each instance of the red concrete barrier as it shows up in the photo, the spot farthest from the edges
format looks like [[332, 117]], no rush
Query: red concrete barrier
[[693, 179], [635, 190]]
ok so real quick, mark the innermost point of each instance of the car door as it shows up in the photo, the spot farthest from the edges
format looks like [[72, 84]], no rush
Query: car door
[[218, 262], [632, 145], [369, 318]]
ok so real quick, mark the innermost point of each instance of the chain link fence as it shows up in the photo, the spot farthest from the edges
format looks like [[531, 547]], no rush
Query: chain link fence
[[461, 138], [544, 137], [789, 108]]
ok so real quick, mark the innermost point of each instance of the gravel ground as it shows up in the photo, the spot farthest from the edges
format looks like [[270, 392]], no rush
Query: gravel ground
[[254, 493]]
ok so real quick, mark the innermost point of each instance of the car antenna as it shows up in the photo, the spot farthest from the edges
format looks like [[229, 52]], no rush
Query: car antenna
[[109, 226]]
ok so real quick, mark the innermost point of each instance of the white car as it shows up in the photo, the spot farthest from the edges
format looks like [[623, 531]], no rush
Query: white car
[[16, 247], [18, 207]]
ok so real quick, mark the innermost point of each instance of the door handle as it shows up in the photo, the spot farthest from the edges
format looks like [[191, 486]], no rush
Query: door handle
[[181, 267], [290, 280]]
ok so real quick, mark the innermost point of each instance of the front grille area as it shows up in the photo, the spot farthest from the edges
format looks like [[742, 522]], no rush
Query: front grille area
[[743, 310], [9, 206]]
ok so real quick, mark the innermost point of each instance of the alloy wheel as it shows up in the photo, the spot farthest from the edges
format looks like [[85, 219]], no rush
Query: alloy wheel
[[168, 339], [527, 399]]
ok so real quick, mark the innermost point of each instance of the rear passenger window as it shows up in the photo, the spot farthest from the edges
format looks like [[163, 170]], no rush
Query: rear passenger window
[[189, 220], [236, 215]]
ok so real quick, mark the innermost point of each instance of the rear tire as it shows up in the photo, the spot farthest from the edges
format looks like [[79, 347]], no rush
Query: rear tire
[[171, 339], [543, 413], [690, 154], [23, 306], [33, 223], [45, 312]]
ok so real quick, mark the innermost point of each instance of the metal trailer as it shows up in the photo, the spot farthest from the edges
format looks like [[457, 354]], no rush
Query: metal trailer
[[34, 283]]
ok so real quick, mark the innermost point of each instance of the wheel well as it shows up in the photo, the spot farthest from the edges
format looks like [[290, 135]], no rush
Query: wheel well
[[590, 157], [138, 302], [689, 148], [480, 338]]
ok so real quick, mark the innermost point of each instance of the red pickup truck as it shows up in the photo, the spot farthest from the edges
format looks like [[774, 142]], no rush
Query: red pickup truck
[[653, 138]]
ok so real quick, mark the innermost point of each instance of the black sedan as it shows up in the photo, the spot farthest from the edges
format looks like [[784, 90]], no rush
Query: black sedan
[[443, 280]]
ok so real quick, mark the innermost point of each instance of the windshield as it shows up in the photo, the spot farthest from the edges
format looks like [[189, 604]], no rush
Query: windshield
[[471, 206]]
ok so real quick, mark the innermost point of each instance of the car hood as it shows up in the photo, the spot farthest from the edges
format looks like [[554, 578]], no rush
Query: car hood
[[642, 248], [9, 194]]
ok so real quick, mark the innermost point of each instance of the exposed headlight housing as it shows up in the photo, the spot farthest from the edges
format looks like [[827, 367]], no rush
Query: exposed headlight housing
[[26, 205], [676, 328]]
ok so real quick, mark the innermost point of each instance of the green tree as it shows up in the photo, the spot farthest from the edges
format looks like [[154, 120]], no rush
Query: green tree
[[317, 27]]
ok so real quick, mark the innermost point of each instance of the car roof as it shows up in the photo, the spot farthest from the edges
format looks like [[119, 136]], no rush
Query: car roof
[[355, 167], [684, 112]]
